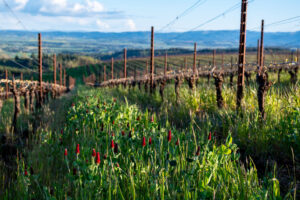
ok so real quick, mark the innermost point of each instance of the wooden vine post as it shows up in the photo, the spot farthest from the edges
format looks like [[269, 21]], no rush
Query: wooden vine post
[[54, 76], [65, 78], [125, 63], [294, 72], [164, 79], [258, 52], [104, 73], [262, 77], [166, 64], [17, 105], [195, 58], [40, 71], [191, 79], [60, 77], [185, 64], [60, 74], [21, 76], [112, 68], [6, 84], [152, 62], [214, 58], [231, 73], [242, 54]]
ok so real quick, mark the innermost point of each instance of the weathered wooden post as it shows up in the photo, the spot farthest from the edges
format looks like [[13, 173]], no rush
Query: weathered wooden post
[[54, 69], [104, 73], [214, 58], [231, 73], [60, 74], [223, 61], [191, 79], [65, 78], [262, 77], [261, 53], [166, 64], [294, 72], [6, 84], [125, 63], [40, 71], [60, 78], [195, 58], [185, 64], [17, 105], [112, 68], [164, 79], [125, 67], [152, 62], [21, 76], [242, 54], [54, 77], [258, 52]]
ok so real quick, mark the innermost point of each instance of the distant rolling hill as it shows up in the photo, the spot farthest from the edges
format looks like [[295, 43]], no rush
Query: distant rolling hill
[[14, 42]]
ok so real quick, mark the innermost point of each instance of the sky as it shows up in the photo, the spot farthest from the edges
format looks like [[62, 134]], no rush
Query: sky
[[140, 15]]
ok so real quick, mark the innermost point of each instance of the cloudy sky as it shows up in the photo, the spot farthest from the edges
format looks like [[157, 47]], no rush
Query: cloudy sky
[[140, 15]]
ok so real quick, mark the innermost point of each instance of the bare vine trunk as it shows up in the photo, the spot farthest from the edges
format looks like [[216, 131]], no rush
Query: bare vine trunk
[[263, 86], [219, 83]]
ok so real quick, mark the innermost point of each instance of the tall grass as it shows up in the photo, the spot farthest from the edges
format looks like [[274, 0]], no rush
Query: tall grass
[[199, 166]]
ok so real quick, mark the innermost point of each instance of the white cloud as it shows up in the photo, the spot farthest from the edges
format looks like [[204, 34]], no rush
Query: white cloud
[[101, 24], [58, 3], [131, 25], [66, 15], [64, 7], [94, 6], [20, 4], [78, 8]]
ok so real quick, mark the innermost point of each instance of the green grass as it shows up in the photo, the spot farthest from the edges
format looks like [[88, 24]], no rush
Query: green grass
[[278, 132], [162, 170]]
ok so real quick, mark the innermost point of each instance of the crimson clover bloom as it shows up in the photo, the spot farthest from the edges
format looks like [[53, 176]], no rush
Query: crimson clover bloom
[[98, 158], [144, 141], [209, 136], [150, 140], [112, 145], [77, 149], [169, 136]]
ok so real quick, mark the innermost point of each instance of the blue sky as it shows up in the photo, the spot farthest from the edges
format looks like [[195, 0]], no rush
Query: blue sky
[[140, 15]]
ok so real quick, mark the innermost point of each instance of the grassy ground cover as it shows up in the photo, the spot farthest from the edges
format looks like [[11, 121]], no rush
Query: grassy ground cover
[[110, 149]]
